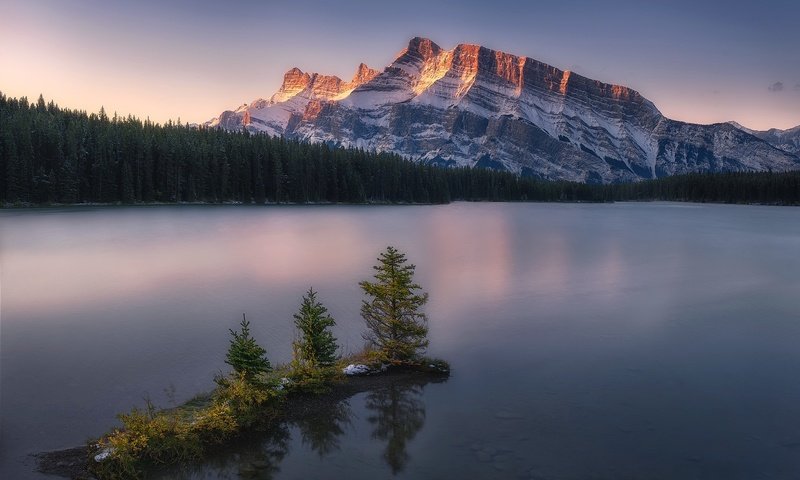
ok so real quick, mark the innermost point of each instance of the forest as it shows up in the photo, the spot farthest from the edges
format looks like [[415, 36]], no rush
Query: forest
[[50, 155]]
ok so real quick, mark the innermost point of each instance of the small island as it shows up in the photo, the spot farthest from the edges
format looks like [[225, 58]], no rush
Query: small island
[[254, 396]]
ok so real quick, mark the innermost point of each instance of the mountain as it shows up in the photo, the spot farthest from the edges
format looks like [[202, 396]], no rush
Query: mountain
[[472, 106], [787, 140]]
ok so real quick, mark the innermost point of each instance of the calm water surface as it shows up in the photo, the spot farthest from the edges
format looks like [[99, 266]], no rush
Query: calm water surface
[[653, 341]]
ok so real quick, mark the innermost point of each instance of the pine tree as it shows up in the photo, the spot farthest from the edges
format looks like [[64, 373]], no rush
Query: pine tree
[[396, 327], [247, 357], [317, 345]]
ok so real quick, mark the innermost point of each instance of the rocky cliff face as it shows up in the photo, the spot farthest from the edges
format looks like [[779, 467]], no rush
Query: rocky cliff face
[[472, 106], [787, 140]]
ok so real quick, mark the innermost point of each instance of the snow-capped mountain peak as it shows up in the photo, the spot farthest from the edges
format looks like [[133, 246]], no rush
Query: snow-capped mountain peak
[[474, 106]]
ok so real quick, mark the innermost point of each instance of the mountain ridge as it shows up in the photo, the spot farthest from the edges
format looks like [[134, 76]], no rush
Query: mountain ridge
[[474, 106], [787, 140]]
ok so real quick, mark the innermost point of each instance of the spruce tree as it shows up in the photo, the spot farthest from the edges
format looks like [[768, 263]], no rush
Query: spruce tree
[[396, 326], [317, 345], [247, 357]]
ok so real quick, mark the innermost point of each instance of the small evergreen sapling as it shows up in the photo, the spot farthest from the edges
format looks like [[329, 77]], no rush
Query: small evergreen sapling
[[317, 345], [396, 326], [248, 358]]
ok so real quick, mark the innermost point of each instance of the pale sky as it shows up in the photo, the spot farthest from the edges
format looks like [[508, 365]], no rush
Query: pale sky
[[698, 61]]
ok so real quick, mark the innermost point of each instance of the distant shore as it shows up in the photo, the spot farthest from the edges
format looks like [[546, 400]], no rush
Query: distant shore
[[27, 205]]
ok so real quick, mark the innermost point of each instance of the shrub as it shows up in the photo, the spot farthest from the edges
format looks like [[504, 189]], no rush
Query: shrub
[[148, 436], [247, 401], [306, 379], [215, 424]]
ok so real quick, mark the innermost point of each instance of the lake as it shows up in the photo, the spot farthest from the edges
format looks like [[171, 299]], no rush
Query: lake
[[630, 340]]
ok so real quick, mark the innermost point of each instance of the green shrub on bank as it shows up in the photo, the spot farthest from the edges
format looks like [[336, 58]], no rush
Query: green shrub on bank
[[215, 424], [315, 380], [247, 398], [148, 436]]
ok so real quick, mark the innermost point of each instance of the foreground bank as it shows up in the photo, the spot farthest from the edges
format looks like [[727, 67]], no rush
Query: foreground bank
[[293, 406], [253, 396]]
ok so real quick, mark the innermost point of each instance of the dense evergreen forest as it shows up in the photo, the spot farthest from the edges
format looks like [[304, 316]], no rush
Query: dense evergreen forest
[[52, 155]]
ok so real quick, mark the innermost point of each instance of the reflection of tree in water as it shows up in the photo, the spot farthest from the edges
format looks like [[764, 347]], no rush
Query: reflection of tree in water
[[322, 429], [255, 457], [398, 415], [396, 412]]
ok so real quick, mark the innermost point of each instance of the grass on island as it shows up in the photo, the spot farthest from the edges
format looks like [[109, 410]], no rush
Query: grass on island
[[149, 437]]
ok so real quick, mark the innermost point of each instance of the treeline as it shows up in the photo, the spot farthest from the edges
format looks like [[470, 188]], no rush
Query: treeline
[[52, 155], [735, 187]]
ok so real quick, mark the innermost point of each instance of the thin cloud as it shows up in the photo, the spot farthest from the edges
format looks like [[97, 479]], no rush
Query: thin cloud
[[776, 87], [797, 87]]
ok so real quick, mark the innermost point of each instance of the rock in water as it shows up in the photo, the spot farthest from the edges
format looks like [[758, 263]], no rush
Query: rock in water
[[355, 370], [104, 454]]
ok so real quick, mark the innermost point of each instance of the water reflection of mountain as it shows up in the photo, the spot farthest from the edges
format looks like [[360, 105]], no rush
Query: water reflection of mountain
[[395, 413]]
